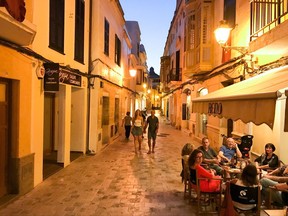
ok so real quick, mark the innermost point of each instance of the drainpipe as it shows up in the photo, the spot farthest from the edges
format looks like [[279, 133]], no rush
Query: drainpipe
[[88, 151]]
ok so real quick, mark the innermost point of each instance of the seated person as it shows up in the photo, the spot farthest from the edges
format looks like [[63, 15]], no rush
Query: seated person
[[210, 157], [228, 151], [271, 179], [268, 160], [248, 179], [283, 189], [185, 153], [194, 161]]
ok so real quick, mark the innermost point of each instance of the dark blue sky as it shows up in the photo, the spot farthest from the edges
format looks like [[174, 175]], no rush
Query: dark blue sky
[[154, 17]]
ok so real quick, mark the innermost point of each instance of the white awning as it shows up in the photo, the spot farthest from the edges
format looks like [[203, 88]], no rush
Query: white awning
[[252, 100]]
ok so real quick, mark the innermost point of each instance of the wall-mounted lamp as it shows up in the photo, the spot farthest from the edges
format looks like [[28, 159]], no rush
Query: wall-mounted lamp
[[132, 72], [222, 34], [91, 81]]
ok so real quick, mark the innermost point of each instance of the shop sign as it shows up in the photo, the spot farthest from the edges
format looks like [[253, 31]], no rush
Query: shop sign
[[215, 108], [70, 78], [51, 77]]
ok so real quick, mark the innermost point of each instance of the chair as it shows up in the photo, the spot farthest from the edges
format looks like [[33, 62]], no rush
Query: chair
[[272, 205], [185, 177], [211, 201], [246, 195], [189, 193]]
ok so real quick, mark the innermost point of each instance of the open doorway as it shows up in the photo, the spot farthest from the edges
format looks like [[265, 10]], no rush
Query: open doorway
[[5, 130], [50, 165]]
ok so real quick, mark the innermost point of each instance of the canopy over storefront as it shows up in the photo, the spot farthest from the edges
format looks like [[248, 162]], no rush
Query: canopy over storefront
[[252, 100]]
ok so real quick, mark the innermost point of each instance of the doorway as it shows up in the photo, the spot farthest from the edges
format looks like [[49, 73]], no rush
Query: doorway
[[5, 128], [50, 165]]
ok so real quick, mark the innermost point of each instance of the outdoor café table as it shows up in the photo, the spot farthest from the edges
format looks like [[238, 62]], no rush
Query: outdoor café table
[[230, 171], [275, 212]]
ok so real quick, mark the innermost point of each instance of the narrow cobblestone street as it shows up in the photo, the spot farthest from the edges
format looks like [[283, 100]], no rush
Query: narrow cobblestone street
[[114, 182]]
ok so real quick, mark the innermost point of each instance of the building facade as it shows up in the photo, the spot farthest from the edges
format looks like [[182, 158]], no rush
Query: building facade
[[254, 53], [64, 85]]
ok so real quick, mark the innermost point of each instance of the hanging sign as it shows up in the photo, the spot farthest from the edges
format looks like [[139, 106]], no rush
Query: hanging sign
[[69, 78], [51, 78]]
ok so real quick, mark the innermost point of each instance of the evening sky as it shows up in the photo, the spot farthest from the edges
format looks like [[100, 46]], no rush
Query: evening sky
[[154, 18]]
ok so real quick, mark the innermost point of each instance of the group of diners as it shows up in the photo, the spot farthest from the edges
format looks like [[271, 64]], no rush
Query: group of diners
[[265, 171]]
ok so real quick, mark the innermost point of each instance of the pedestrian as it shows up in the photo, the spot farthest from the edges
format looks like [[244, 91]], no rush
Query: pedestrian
[[137, 129], [153, 123], [126, 122]]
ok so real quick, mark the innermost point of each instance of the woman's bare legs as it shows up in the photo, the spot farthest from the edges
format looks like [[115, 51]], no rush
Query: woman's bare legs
[[135, 141], [140, 141]]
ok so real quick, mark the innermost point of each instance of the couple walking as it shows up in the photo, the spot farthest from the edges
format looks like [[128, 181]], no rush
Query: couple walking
[[139, 126]]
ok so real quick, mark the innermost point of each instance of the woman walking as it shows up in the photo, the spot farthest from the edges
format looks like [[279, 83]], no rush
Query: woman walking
[[137, 129]]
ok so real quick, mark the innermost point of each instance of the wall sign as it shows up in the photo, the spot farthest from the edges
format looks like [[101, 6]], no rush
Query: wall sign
[[51, 77], [215, 108], [69, 78]]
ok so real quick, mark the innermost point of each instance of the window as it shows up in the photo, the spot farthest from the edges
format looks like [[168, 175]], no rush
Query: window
[[106, 37], [230, 12], [56, 25], [117, 50], [139, 77], [79, 31]]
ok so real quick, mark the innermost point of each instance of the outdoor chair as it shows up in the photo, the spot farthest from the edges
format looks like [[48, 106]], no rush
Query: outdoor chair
[[209, 201], [189, 192], [246, 195]]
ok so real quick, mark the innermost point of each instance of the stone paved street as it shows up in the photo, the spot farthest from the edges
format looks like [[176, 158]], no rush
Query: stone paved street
[[114, 182]]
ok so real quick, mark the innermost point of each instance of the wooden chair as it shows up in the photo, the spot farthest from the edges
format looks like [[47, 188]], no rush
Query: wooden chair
[[189, 192], [272, 205], [246, 195], [210, 201], [187, 185]]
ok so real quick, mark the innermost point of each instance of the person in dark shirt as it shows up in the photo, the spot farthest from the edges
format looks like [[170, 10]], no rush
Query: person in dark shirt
[[153, 123], [268, 160], [126, 122], [210, 157]]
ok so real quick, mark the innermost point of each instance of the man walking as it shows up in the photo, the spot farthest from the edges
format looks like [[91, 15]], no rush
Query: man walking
[[153, 123]]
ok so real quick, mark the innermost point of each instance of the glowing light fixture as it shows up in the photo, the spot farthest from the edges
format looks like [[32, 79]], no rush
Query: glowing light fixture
[[222, 34], [132, 72]]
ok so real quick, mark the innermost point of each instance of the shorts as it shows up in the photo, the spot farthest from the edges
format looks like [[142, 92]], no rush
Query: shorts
[[152, 135], [137, 131]]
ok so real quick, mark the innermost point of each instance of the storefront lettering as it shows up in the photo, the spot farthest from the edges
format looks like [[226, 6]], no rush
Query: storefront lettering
[[215, 108]]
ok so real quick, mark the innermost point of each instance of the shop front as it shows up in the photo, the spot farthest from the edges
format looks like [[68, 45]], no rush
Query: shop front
[[260, 100]]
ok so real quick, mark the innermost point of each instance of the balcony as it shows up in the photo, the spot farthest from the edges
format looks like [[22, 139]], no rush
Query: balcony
[[21, 33], [269, 24], [174, 77]]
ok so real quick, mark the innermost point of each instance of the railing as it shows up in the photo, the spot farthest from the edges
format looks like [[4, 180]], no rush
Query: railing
[[266, 15], [175, 75]]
